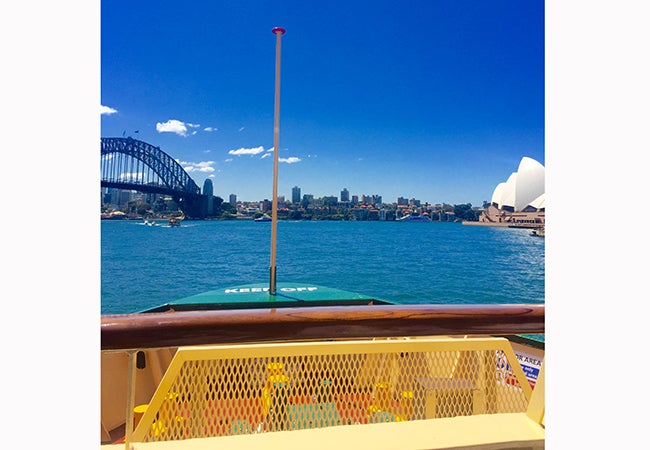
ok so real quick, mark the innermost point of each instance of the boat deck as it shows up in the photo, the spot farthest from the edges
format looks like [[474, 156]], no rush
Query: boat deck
[[491, 431], [256, 295], [314, 378]]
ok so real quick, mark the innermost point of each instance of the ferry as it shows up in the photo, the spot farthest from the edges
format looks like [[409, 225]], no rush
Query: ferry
[[297, 365], [414, 218], [175, 221]]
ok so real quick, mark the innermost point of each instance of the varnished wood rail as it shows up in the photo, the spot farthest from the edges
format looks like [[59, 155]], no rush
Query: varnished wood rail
[[172, 329]]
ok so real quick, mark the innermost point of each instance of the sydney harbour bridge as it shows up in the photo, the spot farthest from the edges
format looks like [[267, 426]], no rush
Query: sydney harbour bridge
[[130, 164]]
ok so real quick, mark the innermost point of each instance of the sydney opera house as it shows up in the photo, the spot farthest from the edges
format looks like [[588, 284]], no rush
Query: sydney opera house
[[520, 201]]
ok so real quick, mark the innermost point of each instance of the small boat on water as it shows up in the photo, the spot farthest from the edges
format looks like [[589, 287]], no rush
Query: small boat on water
[[415, 218], [539, 232], [297, 365], [175, 221], [264, 218]]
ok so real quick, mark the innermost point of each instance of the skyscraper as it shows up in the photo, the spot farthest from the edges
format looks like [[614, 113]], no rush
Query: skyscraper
[[208, 192], [295, 194], [345, 195], [232, 199]]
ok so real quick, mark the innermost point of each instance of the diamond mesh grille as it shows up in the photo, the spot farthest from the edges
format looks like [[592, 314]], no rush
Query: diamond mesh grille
[[227, 390]]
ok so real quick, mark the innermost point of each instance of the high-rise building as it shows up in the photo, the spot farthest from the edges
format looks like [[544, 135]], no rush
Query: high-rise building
[[307, 199], [295, 194], [208, 192], [330, 200], [232, 199], [266, 205], [355, 199], [345, 195]]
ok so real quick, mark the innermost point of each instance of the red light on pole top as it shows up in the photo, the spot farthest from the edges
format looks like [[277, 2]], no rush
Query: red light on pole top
[[278, 30]]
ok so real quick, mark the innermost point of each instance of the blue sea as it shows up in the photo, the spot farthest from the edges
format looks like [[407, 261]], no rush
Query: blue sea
[[409, 263]]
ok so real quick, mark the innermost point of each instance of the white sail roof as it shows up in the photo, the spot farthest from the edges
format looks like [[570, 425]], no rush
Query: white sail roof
[[497, 194], [523, 188], [539, 202], [509, 193], [529, 184]]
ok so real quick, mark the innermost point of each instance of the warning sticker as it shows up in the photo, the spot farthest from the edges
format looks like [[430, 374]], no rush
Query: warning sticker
[[530, 365]]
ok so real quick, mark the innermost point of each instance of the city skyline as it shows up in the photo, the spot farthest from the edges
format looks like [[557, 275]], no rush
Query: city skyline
[[434, 100], [353, 198], [339, 197]]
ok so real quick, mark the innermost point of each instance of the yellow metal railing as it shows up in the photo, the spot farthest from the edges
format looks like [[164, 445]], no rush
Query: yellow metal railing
[[241, 389]]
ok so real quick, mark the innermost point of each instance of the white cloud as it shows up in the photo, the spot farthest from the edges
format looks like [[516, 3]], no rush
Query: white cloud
[[289, 160], [106, 110], [208, 129], [172, 126], [228, 160], [246, 151], [242, 128], [203, 166], [192, 125]]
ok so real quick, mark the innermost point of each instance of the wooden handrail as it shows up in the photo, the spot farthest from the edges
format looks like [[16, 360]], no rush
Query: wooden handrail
[[172, 329]]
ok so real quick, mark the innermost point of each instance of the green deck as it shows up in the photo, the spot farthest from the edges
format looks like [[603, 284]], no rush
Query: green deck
[[257, 296], [289, 295]]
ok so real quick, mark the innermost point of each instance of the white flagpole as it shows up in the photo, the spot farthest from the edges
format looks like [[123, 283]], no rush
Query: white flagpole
[[278, 31]]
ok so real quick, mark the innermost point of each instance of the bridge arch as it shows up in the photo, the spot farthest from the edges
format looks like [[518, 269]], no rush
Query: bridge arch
[[130, 164]]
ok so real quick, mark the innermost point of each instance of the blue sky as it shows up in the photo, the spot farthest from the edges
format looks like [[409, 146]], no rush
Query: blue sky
[[426, 99]]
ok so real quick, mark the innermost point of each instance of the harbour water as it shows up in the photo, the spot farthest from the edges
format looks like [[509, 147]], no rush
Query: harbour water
[[424, 263]]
